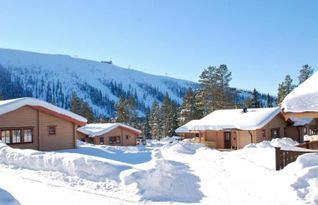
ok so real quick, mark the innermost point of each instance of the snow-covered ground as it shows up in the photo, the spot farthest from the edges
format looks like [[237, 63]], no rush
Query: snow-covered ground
[[163, 172]]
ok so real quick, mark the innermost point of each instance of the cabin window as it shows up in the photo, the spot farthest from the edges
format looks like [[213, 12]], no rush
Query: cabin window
[[101, 140], [52, 130], [263, 133], [305, 130], [5, 136], [127, 137], [275, 133], [27, 135], [16, 136], [114, 140], [313, 131]]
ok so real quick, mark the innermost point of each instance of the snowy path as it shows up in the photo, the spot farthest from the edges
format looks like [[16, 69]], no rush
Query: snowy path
[[227, 178]]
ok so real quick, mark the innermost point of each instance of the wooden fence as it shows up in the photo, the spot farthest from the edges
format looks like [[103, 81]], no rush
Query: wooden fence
[[284, 157]]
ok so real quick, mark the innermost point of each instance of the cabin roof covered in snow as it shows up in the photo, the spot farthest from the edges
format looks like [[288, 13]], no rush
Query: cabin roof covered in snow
[[14, 104], [300, 121], [253, 119], [97, 129], [304, 98], [185, 128]]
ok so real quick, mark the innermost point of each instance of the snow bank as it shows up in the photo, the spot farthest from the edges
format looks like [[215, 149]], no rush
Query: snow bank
[[303, 177], [283, 142], [7, 199], [85, 167], [168, 181], [311, 138], [278, 142], [183, 147]]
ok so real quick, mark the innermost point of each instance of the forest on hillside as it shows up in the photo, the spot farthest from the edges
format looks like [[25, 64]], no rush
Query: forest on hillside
[[213, 92]]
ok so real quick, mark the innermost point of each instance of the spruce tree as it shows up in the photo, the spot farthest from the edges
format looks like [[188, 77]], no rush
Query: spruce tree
[[188, 108], [269, 101], [255, 103], [305, 73], [126, 111], [155, 121], [285, 88], [146, 131], [214, 91]]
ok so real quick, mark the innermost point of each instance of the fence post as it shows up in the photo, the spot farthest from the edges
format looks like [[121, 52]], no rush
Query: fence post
[[277, 158]]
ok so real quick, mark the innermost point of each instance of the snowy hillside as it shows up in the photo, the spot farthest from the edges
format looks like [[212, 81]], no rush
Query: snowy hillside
[[54, 77]]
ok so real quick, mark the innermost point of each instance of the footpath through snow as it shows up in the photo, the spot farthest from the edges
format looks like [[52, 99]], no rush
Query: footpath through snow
[[163, 172]]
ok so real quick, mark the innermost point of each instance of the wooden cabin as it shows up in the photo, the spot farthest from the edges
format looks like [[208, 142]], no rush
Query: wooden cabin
[[117, 134], [29, 123]]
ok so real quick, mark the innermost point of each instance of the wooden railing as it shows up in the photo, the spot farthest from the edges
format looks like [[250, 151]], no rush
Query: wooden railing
[[286, 156], [309, 145]]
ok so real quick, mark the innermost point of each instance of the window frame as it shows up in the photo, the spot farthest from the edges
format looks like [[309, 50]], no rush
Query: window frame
[[278, 132], [263, 133], [49, 130], [117, 141], [101, 141], [10, 130], [16, 137]]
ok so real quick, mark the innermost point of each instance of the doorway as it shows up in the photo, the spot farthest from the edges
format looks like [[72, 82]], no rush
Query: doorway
[[227, 140]]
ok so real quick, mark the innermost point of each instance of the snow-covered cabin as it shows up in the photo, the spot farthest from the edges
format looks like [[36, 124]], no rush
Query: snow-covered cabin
[[29, 123], [235, 128], [302, 104], [109, 134]]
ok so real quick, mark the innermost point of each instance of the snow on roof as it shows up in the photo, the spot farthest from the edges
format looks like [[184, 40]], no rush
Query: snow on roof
[[97, 129], [304, 98], [14, 104], [301, 121], [185, 128], [236, 119]]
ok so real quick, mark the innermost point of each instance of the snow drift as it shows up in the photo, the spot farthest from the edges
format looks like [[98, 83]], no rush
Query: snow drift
[[278, 142], [168, 181], [303, 177], [7, 199], [85, 167]]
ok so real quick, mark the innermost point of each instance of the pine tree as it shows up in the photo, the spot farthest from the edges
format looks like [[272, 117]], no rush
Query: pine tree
[[305, 73], [214, 91], [188, 109], [155, 121], [255, 103], [269, 101], [75, 103], [87, 112], [285, 88], [80, 107], [146, 131]]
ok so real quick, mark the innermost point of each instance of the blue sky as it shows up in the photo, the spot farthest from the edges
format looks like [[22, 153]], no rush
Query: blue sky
[[260, 41]]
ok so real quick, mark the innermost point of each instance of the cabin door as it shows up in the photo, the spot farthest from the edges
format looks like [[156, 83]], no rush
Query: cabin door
[[227, 140]]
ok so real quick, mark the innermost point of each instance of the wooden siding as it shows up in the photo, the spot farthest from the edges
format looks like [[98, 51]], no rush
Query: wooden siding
[[39, 121], [22, 117]]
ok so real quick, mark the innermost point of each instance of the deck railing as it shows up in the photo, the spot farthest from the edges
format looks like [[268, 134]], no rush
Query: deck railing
[[285, 156]]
